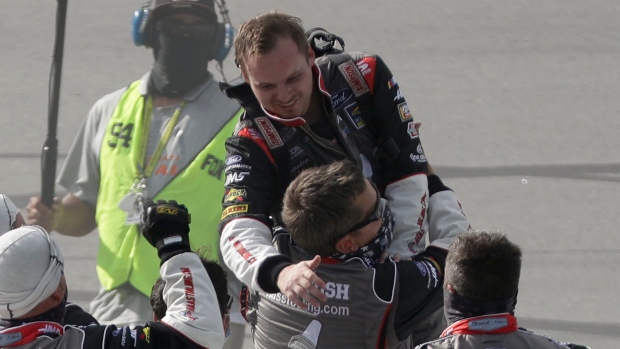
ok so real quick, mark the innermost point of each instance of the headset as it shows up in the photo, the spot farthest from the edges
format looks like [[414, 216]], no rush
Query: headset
[[142, 31]]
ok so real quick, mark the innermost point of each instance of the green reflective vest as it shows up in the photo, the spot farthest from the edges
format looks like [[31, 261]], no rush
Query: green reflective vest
[[124, 255]]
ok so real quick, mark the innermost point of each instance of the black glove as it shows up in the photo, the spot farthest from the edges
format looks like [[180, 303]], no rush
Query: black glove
[[165, 224]]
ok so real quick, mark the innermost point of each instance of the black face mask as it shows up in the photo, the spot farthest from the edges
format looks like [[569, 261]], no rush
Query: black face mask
[[56, 314], [371, 252], [180, 63]]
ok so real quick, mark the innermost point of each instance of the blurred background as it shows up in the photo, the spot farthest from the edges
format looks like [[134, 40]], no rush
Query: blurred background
[[518, 102]]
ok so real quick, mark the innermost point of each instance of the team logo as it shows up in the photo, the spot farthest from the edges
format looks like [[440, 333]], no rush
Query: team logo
[[355, 114], [167, 210], [366, 65], [399, 96], [235, 195], [413, 132], [269, 132], [354, 78], [233, 159], [235, 177], [405, 113], [295, 151], [340, 97], [234, 209]]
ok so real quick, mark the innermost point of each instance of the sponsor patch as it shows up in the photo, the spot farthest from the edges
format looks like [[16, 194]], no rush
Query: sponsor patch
[[354, 78], [399, 96], [7, 339], [487, 324], [341, 97], [167, 210], [405, 113], [421, 267], [295, 151], [234, 209], [269, 132], [392, 82], [233, 159], [146, 334], [413, 133], [235, 195], [355, 114], [235, 177]]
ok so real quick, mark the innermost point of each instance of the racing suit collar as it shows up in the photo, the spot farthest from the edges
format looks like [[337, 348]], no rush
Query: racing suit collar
[[299, 121], [485, 324]]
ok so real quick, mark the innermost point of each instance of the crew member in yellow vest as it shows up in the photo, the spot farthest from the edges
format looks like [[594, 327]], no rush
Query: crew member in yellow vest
[[162, 137]]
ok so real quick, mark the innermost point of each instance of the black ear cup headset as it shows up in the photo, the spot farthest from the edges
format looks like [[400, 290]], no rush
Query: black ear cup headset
[[222, 43]]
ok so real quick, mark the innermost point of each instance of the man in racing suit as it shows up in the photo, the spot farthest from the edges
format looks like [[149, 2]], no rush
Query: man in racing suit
[[369, 304], [34, 292], [301, 113], [480, 294]]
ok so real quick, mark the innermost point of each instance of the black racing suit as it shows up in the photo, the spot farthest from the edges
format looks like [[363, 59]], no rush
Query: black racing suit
[[371, 124]]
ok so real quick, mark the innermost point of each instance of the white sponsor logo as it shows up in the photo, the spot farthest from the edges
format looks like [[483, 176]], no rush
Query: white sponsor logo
[[233, 159], [235, 177], [336, 290], [399, 96]]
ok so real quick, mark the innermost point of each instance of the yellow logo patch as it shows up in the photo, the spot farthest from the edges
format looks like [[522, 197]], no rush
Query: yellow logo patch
[[234, 209], [168, 210]]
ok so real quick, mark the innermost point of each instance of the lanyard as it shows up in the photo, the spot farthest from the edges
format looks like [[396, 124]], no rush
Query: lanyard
[[146, 170]]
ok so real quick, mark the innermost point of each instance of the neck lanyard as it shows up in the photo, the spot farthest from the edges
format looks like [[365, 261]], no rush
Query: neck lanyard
[[144, 170]]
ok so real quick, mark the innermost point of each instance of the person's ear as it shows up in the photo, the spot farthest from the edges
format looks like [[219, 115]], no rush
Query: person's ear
[[311, 55], [346, 245], [243, 74]]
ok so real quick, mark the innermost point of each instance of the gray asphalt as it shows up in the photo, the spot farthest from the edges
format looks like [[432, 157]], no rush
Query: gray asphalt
[[518, 101]]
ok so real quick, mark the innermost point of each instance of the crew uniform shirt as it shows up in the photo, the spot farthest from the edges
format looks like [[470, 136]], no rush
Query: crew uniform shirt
[[189, 323], [190, 170], [491, 331]]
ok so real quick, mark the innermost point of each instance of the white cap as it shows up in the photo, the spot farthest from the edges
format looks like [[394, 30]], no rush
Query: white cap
[[8, 212], [31, 266]]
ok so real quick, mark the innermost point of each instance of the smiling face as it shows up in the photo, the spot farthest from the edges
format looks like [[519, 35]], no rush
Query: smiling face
[[281, 79]]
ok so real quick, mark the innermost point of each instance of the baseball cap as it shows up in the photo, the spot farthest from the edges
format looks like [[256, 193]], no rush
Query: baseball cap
[[31, 266], [201, 8]]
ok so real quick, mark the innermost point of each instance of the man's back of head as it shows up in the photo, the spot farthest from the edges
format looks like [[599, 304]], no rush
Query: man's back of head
[[483, 265]]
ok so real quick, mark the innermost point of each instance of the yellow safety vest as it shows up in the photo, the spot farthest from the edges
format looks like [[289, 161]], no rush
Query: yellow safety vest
[[124, 255]]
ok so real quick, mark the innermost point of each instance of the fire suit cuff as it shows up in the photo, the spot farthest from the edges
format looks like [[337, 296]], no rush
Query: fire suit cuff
[[435, 185], [160, 335], [269, 270], [436, 253]]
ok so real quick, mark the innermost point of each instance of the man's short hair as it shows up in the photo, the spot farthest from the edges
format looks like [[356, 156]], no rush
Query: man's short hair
[[319, 205], [218, 279], [259, 35], [483, 265]]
